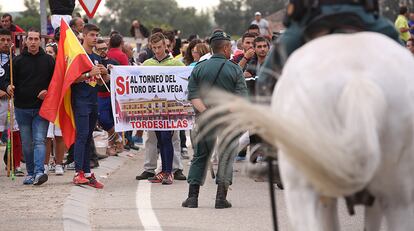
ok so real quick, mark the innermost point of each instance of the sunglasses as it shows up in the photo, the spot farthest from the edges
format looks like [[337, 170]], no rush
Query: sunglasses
[[102, 49]]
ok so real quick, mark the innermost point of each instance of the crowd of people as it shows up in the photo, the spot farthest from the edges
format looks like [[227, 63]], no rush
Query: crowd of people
[[40, 144], [35, 139]]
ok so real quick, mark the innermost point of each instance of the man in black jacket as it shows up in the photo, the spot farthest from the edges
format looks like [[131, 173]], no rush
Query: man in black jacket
[[61, 9], [32, 72]]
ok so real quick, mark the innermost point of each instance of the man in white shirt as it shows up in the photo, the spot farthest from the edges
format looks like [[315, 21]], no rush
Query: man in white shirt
[[264, 25]]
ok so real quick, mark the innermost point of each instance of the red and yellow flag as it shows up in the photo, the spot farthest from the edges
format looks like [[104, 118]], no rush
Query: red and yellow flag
[[71, 62]]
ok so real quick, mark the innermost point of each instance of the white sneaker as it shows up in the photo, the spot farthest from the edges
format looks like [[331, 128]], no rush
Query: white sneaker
[[46, 171], [51, 168], [59, 170], [70, 166]]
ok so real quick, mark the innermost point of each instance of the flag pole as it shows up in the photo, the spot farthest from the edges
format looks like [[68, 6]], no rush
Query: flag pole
[[106, 86], [11, 124]]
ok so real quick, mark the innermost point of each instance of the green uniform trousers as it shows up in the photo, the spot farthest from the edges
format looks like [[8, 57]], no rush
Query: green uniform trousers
[[201, 159]]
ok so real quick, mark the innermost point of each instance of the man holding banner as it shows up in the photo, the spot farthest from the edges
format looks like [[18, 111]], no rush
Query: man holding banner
[[164, 138]]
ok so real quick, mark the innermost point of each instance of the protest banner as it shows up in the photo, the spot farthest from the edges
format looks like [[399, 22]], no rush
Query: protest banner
[[151, 98]]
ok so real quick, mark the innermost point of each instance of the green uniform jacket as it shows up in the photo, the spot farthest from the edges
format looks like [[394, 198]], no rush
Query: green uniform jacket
[[231, 77]]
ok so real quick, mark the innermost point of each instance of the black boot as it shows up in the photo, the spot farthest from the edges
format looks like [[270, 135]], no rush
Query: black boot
[[192, 200], [221, 201]]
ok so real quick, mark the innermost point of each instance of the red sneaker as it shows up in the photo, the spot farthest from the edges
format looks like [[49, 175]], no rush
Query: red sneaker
[[168, 179], [93, 182], [80, 178], [157, 178]]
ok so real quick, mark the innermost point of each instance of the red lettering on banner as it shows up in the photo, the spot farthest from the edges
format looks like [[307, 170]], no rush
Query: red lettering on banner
[[160, 124], [120, 87], [179, 124], [127, 85]]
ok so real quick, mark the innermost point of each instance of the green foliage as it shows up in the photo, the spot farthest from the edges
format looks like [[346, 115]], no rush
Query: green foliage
[[266, 7], [234, 16], [31, 16], [28, 22], [32, 8], [230, 16], [154, 13]]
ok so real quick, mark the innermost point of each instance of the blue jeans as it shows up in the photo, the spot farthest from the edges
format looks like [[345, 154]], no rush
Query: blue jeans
[[86, 117], [33, 131], [106, 118], [166, 149]]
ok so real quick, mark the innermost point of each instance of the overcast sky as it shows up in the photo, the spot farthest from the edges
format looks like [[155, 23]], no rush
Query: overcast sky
[[17, 5]]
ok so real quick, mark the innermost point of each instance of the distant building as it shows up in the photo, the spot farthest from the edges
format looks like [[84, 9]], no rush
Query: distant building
[[155, 109]]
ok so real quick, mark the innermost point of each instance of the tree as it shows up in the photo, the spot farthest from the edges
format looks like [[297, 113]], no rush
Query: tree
[[31, 16], [189, 22], [234, 16], [153, 13], [230, 16], [265, 7]]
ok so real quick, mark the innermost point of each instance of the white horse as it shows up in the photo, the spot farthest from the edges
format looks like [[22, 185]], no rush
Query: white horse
[[342, 116]]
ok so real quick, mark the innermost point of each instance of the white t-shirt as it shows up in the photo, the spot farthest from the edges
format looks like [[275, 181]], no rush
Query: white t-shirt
[[263, 26]]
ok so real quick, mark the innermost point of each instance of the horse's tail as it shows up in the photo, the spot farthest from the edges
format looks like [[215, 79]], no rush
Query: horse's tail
[[338, 150]]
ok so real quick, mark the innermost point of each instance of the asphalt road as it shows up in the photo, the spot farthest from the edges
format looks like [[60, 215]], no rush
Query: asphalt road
[[128, 204], [121, 206]]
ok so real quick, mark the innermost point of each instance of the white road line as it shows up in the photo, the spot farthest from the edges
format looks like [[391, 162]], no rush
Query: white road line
[[144, 207]]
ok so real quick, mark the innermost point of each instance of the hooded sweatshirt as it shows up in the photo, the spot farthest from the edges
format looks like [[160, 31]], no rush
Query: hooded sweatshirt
[[31, 75]]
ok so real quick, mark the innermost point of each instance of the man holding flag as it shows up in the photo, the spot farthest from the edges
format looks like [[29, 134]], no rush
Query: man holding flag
[[72, 100], [85, 108]]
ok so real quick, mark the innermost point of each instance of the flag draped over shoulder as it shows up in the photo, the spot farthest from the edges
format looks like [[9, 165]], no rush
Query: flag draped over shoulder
[[71, 62]]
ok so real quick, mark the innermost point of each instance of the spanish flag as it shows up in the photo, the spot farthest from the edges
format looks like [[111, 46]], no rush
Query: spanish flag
[[71, 62]]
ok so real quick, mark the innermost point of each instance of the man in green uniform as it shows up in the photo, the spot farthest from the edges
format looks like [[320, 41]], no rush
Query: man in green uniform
[[217, 72], [320, 18]]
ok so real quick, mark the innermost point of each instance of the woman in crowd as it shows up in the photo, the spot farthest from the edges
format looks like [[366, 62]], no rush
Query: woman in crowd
[[199, 51], [188, 58]]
